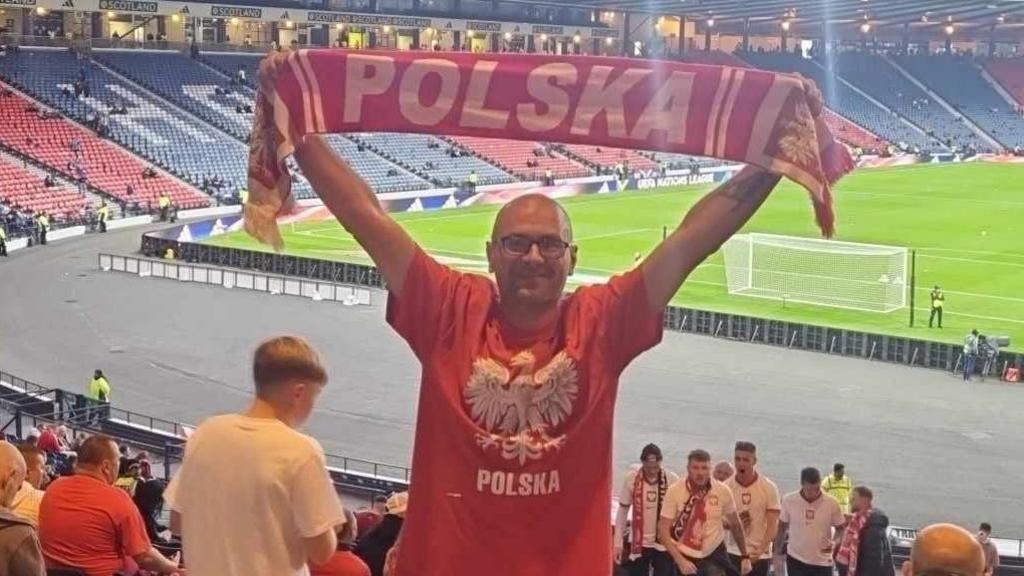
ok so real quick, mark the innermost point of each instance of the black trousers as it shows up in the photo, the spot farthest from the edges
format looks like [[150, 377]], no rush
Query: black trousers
[[652, 562], [3, 247], [42, 236], [716, 563], [103, 225], [795, 567], [931, 317], [758, 568]]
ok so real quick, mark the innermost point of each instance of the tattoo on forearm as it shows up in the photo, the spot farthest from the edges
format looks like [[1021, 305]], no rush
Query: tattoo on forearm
[[751, 190]]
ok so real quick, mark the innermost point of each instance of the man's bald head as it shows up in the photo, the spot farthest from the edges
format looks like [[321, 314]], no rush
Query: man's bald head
[[531, 255], [945, 549], [12, 473], [532, 209]]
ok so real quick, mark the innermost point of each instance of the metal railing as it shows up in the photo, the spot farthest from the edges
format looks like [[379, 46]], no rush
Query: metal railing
[[26, 401], [184, 271]]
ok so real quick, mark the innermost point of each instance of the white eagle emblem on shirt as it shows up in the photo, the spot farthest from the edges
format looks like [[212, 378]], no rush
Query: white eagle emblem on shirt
[[519, 412]]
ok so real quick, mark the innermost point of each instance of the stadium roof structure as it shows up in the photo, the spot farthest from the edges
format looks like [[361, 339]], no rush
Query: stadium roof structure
[[965, 15]]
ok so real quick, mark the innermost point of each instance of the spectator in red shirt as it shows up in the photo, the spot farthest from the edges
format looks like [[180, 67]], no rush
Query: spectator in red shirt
[[369, 519], [519, 381], [344, 562], [88, 524], [48, 441]]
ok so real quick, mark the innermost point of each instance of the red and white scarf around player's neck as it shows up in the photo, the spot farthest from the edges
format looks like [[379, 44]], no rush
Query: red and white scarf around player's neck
[[688, 528], [637, 522], [749, 116]]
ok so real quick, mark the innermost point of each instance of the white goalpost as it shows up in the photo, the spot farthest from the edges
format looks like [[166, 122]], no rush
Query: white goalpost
[[868, 277]]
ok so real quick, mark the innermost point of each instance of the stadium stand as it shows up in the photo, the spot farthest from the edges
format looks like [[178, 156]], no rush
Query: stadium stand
[[382, 175], [851, 133], [606, 159], [109, 168], [432, 158], [155, 130], [1009, 72], [877, 77], [527, 160], [230, 64], [958, 80], [844, 129], [846, 101], [188, 84], [23, 190]]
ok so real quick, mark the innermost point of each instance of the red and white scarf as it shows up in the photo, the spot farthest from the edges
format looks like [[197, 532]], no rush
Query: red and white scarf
[[636, 538], [850, 546], [688, 528], [751, 116]]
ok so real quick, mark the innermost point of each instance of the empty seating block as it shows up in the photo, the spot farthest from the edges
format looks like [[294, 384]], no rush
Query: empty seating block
[[1009, 72], [430, 157], [23, 189], [382, 175], [164, 135], [607, 158], [107, 166], [527, 160], [188, 84], [846, 101], [958, 81]]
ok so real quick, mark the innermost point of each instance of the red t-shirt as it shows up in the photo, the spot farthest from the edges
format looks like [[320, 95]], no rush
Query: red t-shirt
[[48, 442], [88, 524], [512, 460], [341, 564], [365, 521]]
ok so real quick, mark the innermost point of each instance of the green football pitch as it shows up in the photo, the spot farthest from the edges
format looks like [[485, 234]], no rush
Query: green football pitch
[[965, 222]]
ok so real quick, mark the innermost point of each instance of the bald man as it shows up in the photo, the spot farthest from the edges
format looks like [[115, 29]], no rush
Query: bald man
[[519, 381], [20, 553], [945, 549]]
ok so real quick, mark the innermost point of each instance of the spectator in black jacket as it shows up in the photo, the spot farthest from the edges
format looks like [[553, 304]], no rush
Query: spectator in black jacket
[[865, 550]]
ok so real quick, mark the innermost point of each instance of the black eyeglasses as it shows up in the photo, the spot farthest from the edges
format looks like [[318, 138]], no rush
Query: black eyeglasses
[[550, 247]]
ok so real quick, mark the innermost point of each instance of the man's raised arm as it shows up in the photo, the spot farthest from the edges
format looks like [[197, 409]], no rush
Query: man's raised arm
[[356, 207], [708, 224]]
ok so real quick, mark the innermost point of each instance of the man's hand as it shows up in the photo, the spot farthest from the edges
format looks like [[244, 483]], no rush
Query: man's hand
[[746, 567], [617, 553], [686, 567]]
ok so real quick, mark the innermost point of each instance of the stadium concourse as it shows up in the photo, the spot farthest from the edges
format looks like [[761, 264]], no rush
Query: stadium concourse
[[931, 447]]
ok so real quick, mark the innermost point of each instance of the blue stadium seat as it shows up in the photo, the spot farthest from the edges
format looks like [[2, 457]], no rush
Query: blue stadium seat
[[958, 81], [846, 101]]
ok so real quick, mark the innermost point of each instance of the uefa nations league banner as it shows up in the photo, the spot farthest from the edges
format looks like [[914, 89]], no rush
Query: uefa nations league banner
[[751, 116]]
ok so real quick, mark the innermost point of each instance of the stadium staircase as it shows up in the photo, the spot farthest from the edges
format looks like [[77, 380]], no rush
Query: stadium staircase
[[959, 81], [850, 99], [1009, 72], [110, 168], [513, 156]]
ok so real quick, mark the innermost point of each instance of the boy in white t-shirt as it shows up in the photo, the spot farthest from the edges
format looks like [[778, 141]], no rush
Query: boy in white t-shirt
[[809, 516], [253, 496], [643, 494], [693, 519], [757, 504]]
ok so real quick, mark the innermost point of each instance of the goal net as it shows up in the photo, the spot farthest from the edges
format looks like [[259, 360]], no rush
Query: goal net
[[824, 272]]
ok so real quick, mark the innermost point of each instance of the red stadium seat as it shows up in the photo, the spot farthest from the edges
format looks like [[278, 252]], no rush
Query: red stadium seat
[[108, 167]]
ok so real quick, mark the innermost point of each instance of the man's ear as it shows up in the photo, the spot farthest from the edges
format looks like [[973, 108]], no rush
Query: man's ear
[[573, 250], [907, 569], [490, 247]]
